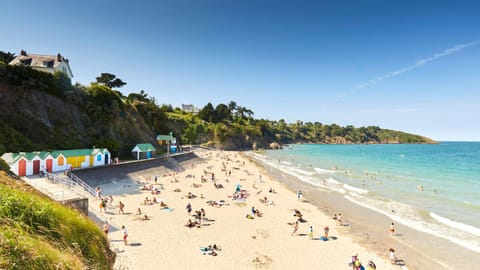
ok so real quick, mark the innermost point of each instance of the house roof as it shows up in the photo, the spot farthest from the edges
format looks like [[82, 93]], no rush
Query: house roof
[[11, 158], [144, 147], [40, 61]]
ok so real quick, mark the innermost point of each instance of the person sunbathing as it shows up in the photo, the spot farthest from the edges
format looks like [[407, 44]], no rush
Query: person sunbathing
[[190, 195], [147, 201], [217, 186], [163, 204], [191, 224], [155, 191]]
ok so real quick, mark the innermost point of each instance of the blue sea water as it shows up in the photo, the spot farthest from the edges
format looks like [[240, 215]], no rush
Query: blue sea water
[[434, 188]]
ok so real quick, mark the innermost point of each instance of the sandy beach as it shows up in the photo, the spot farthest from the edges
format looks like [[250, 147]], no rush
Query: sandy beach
[[164, 242]]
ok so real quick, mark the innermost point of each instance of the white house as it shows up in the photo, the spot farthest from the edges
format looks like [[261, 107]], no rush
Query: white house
[[45, 63]]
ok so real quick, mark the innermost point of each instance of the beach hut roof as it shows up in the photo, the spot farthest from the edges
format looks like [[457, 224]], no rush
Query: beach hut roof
[[13, 157], [164, 138], [144, 147], [81, 152]]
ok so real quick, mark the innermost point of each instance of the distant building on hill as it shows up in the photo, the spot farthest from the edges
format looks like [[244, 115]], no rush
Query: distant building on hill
[[189, 108], [30, 163], [44, 63]]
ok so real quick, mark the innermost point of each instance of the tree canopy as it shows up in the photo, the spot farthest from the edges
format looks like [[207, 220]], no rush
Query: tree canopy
[[110, 80]]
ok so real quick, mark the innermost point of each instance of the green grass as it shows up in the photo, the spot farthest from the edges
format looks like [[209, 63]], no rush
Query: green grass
[[37, 233]]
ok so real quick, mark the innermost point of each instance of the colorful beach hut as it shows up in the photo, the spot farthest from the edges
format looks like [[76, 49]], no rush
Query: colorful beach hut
[[144, 150], [169, 140], [30, 163]]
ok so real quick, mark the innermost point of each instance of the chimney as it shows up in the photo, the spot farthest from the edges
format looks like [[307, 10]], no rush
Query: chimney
[[23, 53], [59, 57]]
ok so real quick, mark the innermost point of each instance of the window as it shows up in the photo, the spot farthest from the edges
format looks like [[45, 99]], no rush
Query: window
[[99, 158], [26, 62], [48, 64]]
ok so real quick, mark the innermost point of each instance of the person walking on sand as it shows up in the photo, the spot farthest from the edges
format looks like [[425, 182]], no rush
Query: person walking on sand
[[310, 232], [189, 208], [125, 235], [392, 229], [106, 227], [120, 207], [295, 228], [299, 195]]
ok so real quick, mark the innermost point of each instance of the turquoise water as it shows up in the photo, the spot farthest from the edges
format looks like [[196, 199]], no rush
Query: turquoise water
[[434, 188]]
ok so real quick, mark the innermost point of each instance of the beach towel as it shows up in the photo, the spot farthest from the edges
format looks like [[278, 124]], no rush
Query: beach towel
[[168, 209]]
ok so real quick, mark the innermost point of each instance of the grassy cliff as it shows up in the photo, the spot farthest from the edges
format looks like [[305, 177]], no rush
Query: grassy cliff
[[38, 233]]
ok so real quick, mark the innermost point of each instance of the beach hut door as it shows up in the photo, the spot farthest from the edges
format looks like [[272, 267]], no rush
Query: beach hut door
[[49, 165], [149, 154], [22, 167], [36, 166], [106, 158]]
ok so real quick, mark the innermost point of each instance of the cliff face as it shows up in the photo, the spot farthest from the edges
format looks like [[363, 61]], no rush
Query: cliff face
[[47, 122]]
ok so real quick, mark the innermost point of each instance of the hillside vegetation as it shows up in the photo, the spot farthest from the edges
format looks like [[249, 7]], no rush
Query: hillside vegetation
[[37, 233], [41, 111]]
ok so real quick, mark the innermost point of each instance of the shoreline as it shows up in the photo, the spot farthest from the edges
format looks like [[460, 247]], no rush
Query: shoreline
[[369, 228]]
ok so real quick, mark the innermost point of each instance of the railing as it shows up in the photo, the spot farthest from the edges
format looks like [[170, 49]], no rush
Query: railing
[[80, 182], [60, 180]]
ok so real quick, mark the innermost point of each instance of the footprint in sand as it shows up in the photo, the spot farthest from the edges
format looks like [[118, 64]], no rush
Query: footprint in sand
[[262, 233], [262, 261]]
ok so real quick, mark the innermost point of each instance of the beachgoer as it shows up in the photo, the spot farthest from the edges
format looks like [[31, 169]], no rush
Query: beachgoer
[[106, 227], [295, 228], [326, 230], [371, 265], [354, 259], [310, 232], [120, 207], [125, 235], [392, 228], [98, 191], [102, 205], [139, 211], [393, 257], [189, 208], [299, 195]]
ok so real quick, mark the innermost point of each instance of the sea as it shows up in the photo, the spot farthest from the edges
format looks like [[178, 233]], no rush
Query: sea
[[434, 188]]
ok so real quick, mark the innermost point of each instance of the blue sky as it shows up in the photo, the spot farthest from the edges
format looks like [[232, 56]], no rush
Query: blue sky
[[406, 65]]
